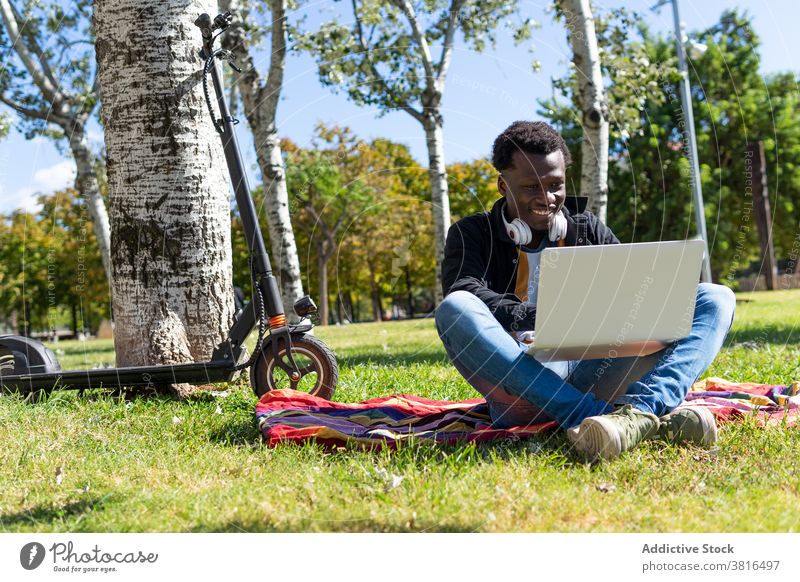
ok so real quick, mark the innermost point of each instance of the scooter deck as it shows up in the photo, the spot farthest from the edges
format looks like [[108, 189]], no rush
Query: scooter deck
[[193, 373]]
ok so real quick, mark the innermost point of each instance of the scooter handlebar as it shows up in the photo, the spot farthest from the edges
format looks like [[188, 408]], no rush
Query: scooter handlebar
[[203, 22], [207, 26]]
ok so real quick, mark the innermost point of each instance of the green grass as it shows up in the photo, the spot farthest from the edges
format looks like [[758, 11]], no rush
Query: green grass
[[128, 466]]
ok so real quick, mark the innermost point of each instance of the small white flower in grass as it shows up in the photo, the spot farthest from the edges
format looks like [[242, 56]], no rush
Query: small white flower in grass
[[59, 475], [396, 480], [128, 404], [176, 420], [491, 516], [218, 410]]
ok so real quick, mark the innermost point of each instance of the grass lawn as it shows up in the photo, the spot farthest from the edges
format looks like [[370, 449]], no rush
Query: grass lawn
[[98, 463]]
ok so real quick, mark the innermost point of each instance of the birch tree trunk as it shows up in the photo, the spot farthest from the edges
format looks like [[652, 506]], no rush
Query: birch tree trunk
[[86, 184], [170, 214], [440, 199], [67, 111], [260, 101], [322, 267], [594, 149]]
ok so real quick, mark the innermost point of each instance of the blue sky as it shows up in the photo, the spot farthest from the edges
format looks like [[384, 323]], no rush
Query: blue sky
[[484, 93]]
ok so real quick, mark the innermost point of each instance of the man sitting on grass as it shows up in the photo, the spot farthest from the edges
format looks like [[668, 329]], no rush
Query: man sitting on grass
[[489, 278]]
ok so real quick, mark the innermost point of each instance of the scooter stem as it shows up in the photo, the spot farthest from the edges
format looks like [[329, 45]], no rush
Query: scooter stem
[[244, 200]]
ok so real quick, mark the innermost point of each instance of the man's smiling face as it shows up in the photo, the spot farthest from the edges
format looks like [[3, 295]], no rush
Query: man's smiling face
[[534, 187]]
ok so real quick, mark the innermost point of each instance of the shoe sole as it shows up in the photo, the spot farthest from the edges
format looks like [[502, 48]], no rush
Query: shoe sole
[[597, 438]]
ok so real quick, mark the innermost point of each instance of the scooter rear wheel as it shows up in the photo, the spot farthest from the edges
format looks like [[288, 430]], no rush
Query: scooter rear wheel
[[319, 372]]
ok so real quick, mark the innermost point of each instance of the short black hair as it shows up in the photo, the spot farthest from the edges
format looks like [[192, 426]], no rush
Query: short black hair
[[533, 137]]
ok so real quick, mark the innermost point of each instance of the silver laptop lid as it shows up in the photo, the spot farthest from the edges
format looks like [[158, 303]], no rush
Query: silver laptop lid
[[615, 294]]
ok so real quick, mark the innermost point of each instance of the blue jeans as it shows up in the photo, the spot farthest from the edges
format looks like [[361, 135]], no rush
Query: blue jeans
[[521, 390]]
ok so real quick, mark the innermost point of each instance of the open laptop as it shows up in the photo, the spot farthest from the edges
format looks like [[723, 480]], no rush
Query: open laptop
[[610, 301]]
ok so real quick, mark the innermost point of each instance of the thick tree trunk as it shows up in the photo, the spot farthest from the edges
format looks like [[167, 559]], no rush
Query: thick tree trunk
[[260, 102], [440, 200], [586, 57], [86, 184], [170, 215]]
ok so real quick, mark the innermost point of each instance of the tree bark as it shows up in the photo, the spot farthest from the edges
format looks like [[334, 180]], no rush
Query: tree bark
[[344, 307], [14, 322], [440, 199], [260, 101], [347, 299], [322, 267], [410, 293], [375, 295], [594, 149], [170, 215], [86, 184]]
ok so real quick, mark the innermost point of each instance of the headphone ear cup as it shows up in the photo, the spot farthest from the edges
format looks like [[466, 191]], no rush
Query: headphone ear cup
[[518, 231], [522, 230], [558, 228]]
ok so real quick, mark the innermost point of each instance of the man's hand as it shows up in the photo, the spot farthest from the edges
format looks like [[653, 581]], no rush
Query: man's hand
[[526, 337]]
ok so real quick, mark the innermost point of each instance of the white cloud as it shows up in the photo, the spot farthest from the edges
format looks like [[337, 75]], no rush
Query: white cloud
[[55, 177], [22, 199], [44, 181]]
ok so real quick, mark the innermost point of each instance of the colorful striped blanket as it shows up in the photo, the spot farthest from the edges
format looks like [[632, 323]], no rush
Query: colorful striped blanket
[[288, 415]]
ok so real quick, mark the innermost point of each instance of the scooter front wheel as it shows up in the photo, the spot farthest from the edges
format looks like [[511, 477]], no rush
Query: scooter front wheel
[[319, 372]]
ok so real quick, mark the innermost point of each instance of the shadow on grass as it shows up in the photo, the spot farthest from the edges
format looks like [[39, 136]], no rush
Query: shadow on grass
[[50, 514], [352, 526], [782, 335], [394, 358], [240, 432]]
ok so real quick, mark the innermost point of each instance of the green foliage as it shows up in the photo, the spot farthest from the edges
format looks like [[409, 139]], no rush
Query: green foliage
[[61, 39], [649, 175], [377, 61], [5, 125], [52, 275], [363, 205], [377, 193], [472, 187]]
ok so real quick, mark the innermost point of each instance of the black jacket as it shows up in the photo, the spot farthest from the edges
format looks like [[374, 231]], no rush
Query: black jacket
[[479, 257]]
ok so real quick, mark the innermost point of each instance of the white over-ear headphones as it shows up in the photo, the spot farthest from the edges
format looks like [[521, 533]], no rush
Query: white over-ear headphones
[[521, 234]]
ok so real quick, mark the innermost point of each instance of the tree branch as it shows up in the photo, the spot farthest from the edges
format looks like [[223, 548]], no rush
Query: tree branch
[[35, 113], [422, 42], [318, 220], [277, 62], [338, 224], [447, 50], [401, 103], [46, 84]]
